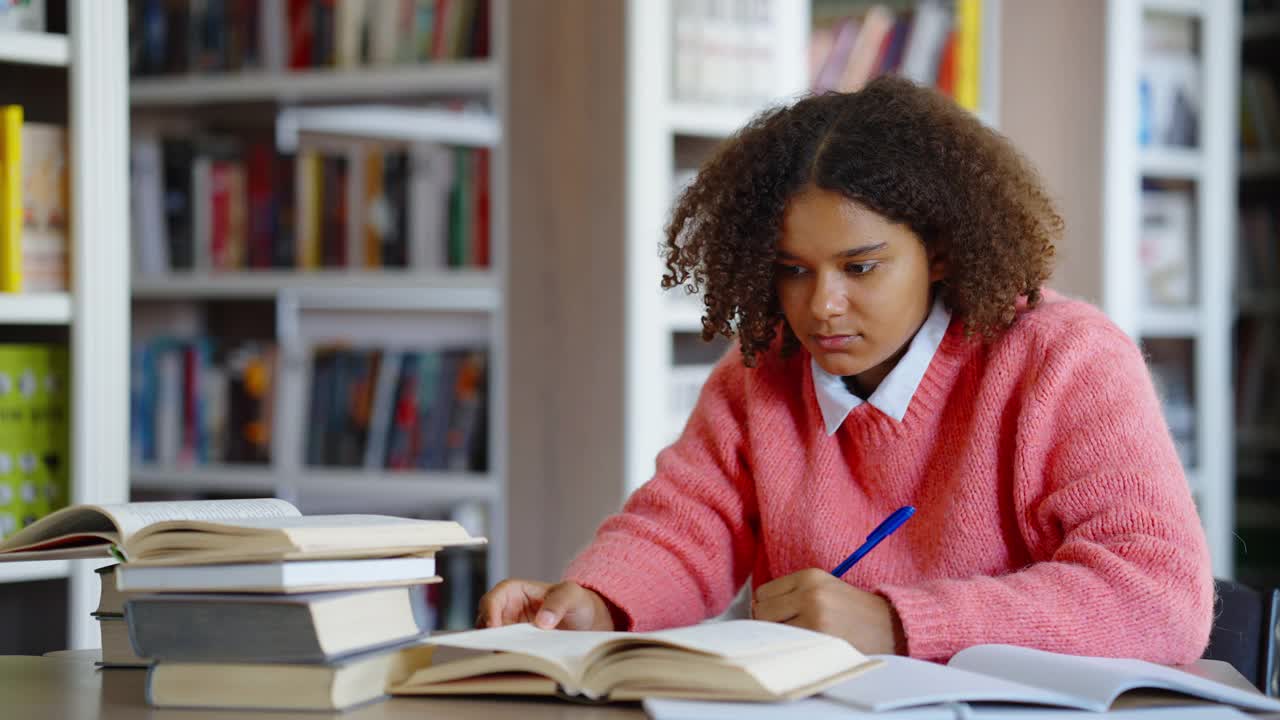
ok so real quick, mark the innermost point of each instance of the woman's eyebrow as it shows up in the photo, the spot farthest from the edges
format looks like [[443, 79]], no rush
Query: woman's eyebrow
[[851, 252]]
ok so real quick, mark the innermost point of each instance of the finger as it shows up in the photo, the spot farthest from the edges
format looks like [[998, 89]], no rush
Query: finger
[[510, 601], [777, 609], [560, 601], [776, 587]]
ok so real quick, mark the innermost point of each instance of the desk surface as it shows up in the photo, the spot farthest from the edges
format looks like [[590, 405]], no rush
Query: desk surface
[[72, 688]]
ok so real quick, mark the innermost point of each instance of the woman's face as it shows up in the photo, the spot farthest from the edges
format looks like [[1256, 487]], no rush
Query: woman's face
[[854, 286]]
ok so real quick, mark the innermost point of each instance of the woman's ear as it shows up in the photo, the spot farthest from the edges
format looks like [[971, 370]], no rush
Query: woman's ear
[[937, 266]]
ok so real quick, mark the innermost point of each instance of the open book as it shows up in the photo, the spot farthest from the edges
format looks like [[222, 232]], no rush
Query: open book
[[1008, 674], [89, 531], [735, 660], [226, 531]]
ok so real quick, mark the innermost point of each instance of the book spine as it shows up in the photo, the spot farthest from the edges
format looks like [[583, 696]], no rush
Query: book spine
[[968, 49], [11, 198]]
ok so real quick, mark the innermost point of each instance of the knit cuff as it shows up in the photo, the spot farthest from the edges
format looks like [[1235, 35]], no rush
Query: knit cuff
[[623, 575], [929, 623]]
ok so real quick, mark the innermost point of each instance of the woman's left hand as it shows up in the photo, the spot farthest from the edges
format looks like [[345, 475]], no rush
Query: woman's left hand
[[817, 600]]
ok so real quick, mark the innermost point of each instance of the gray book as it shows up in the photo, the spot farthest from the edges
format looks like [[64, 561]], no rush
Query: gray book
[[303, 628]]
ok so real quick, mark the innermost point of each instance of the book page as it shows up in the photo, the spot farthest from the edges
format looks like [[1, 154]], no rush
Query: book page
[[315, 533], [566, 648], [810, 709], [736, 638], [904, 682], [114, 523], [132, 517], [1099, 681]]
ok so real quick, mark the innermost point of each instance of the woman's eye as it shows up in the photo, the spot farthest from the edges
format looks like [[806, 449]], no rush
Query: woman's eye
[[790, 270], [859, 268]]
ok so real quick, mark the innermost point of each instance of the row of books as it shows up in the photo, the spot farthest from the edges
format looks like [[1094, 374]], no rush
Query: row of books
[[399, 409], [725, 50], [1258, 249], [23, 15], [1169, 82], [198, 401], [212, 36], [225, 203], [933, 44], [1259, 112], [34, 204], [1257, 372], [1166, 245], [34, 442]]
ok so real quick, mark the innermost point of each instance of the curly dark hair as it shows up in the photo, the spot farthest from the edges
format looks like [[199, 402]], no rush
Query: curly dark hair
[[904, 151]]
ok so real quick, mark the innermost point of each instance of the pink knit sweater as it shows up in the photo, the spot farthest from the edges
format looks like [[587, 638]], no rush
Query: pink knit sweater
[[1051, 508]]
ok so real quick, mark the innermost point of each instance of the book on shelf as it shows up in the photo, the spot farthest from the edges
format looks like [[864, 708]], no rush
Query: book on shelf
[[734, 660], [215, 36], [22, 15], [1259, 112], [227, 202], [202, 400], [302, 628], [725, 52], [339, 685], [282, 578], [34, 205], [1168, 82], [34, 439], [931, 43], [1166, 246], [398, 409]]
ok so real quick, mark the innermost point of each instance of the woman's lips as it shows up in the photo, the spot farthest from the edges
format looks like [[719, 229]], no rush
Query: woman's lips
[[833, 343]]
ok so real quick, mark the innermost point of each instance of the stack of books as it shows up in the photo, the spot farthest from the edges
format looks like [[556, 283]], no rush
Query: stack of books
[[227, 601]]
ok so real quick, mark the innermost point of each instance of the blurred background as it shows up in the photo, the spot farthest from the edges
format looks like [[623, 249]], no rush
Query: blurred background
[[400, 256]]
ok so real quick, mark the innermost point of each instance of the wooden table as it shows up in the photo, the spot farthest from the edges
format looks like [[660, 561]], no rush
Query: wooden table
[[72, 688]]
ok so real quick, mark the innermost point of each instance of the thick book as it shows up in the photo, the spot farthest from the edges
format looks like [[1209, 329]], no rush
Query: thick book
[[117, 651], [314, 537], [304, 628], [1009, 674], [295, 576], [89, 531], [735, 660], [340, 685]]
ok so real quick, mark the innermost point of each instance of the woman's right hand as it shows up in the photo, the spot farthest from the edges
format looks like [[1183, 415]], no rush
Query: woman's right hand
[[566, 606]]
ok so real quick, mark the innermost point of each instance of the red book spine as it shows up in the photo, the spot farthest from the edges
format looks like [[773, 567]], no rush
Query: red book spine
[[301, 33], [220, 216]]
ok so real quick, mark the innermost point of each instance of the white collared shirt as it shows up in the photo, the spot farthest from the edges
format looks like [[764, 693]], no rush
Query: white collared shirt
[[894, 393]]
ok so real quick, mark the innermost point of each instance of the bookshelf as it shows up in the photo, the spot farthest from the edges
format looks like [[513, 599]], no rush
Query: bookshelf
[[1257, 301], [94, 314], [1199, 330], [668, 136], [396, 308]]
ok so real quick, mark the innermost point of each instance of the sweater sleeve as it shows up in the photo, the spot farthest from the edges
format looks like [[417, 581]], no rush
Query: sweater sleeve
[[1120, 563], [684, 542]]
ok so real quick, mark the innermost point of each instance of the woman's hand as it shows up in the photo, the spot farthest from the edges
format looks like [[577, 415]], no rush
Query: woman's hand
[[817, 600], [566, 606]]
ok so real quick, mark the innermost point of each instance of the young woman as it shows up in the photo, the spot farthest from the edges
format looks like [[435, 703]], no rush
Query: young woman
[[880, 258]]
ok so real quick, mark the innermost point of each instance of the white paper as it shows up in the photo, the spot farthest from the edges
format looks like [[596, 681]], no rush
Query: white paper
[[1098, 680], [903, 682], [810, 709]]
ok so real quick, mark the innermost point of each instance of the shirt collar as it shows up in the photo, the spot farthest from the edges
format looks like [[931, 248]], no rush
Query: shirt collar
[[894, 393]]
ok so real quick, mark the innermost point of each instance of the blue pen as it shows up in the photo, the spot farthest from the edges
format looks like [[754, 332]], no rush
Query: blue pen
[[882, 531]]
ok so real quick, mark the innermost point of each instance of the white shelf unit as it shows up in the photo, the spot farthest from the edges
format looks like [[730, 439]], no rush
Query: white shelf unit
[[34, 48], [1210, 168], [96, 309], [463, 77], [655, 122], [310, 304], [35, 309]]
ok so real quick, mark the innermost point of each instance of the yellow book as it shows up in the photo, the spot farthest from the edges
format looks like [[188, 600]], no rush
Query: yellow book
[[968, 53], [11, 198]]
